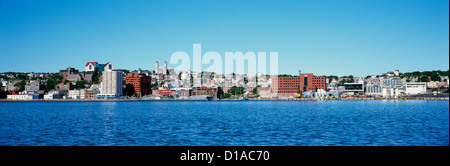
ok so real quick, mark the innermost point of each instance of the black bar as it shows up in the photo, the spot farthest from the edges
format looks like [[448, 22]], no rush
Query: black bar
[[234, 154]]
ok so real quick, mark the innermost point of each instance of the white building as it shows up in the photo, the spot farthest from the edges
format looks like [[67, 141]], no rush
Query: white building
[[374, 90], [95, 66], [396, 73], [392, 92], [91, 66], [415, 88], [9, 86], [111, 85], [76, 94], [321, 93], [392, 82], [51, 96], [56, 94], [33, 85], [22, 97], [106, 67]]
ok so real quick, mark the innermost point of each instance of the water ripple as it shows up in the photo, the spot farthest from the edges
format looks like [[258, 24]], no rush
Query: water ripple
[[225, 123]]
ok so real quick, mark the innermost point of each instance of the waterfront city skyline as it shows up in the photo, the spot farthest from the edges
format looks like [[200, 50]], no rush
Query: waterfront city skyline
[[321, 37], [230, 74]]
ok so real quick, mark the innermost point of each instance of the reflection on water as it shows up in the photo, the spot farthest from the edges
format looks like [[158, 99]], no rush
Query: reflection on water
[[323, 123], [109, 125]]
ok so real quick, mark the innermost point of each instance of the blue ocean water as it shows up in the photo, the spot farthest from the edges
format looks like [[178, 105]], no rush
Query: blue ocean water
[[225, 123]]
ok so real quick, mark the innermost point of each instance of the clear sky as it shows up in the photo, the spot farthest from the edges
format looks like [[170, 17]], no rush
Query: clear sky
[[324, 37]]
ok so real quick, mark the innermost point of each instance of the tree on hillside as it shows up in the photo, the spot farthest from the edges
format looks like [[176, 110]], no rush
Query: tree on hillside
[[96, 77], [22, 85], [225, 95], [435, 77], [424, 79], [51, 83], [236, 90], [81, 84], [416, 73]]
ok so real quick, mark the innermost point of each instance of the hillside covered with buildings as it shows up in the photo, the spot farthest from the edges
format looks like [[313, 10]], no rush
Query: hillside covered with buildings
[[104, 81]]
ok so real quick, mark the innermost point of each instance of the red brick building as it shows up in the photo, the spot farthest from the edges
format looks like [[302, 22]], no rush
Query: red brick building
[[290, 86], [140, 82], [205, 90], [164, 92], [63, 86], [309, 82], [90, 94]]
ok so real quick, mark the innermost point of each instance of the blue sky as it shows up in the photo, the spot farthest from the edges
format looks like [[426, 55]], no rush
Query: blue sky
[[324, 37]]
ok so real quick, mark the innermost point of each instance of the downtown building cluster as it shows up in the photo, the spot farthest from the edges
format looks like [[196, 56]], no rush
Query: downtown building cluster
[[103, 81]]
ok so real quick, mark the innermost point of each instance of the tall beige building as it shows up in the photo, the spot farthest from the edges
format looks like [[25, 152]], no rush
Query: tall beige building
[[111, 85]]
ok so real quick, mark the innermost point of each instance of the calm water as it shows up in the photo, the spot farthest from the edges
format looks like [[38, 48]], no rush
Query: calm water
[[142, 123]]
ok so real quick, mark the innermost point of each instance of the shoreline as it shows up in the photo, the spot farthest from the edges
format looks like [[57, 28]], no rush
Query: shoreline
[[264, 99]]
